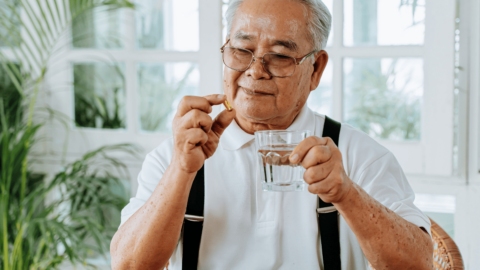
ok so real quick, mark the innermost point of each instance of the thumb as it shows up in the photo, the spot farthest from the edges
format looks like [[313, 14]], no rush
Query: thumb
[[222, 121]]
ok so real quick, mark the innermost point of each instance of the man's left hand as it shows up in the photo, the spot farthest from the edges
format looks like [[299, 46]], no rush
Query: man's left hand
[[324, 168]]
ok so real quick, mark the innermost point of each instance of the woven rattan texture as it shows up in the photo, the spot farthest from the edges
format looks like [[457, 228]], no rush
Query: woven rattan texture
[[446, 255]]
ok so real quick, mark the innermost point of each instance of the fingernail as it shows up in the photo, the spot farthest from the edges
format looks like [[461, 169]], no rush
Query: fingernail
[[220, 96], [294, 158]]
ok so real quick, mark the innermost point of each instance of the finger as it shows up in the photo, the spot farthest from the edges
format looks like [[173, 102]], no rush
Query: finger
[[317, 173], [318, 154], [324, 187], [216, 99], [222, 121], [303, 147], [194, 137], [211, 145], [197, 119], [200, 103]]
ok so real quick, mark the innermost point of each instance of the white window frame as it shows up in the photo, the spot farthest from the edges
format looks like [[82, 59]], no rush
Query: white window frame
[[79, 140], [465, 186], [432, 155]]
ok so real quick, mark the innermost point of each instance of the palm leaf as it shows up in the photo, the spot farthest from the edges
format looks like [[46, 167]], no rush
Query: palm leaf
[[31, 231]]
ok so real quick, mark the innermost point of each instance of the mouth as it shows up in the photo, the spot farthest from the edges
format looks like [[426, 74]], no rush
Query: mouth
[[255, 92]]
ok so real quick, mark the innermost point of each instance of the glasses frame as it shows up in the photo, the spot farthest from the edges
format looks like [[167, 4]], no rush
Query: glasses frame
[[298, 61]]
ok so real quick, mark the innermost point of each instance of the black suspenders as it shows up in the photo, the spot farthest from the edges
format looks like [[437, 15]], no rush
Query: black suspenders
[[193, 223], [327, 218], [327, 214]]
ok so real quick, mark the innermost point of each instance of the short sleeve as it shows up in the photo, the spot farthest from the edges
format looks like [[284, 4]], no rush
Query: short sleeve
[[153, 168], [385, 181]]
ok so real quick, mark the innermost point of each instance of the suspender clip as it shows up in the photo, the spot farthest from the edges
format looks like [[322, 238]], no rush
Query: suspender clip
[[193, 218], [325, 210]]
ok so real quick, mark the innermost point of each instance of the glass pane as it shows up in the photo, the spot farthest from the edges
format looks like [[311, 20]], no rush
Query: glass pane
[[384, 22], [167, 25], [100, 28], [320, 100], [10, 30], [99, 95], [383, 96], [161, 86], [444, 220], [440, 208]]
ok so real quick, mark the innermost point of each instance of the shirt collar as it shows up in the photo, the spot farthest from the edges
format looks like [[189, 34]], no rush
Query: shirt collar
[[233, 138]]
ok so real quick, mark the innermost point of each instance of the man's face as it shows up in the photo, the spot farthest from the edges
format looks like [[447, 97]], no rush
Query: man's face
[[264, 26]]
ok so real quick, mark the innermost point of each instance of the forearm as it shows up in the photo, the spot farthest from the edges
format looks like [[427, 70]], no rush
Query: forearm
[[387, 240], [149, 237]]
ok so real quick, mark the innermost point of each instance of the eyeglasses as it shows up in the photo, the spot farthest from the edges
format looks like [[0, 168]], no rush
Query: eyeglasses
[[277, 65]]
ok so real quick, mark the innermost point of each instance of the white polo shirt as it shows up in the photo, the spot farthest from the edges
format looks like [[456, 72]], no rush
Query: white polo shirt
[[248, 228]]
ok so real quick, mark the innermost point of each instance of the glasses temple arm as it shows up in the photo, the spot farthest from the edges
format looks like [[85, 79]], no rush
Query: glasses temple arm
[[223, 47], [305, 57]]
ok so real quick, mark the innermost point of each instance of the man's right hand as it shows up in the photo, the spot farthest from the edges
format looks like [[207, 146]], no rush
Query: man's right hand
[[195, 134]]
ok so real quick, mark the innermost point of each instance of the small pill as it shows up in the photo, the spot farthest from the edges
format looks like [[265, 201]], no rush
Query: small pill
[[227, 105]]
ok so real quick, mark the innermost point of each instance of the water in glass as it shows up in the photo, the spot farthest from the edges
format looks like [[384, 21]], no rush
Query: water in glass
[[276, 172]]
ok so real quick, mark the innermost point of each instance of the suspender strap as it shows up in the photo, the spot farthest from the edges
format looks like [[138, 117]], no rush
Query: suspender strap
[[328, 220], [193, 223]]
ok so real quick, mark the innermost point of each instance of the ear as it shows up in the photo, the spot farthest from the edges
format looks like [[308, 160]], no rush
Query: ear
[[321, 60]]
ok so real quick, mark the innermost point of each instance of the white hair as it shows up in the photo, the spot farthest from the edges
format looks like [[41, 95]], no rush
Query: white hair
[[320, 20]]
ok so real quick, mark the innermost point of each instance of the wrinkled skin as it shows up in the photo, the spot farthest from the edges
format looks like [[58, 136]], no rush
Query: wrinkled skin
[[262, 101]]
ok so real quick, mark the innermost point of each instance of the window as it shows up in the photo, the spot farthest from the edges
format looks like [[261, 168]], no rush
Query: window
[[391, 75], [126, 71], [391, 78]]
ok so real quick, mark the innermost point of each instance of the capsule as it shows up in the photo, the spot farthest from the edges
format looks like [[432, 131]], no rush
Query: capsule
[[227, 105]]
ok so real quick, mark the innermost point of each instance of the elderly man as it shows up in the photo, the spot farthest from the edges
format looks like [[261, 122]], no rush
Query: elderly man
[[273, 60]]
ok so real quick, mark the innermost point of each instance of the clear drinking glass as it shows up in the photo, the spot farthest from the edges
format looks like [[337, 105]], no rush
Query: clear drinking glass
[[273, 150]]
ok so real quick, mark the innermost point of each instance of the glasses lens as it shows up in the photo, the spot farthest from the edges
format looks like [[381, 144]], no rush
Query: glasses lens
[[279, 65], [236, 58]]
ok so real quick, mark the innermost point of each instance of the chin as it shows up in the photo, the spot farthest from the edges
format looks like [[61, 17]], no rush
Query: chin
[[256, 113]]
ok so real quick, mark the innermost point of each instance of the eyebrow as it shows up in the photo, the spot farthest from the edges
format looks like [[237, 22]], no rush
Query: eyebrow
[[287, 43], [243, 36]]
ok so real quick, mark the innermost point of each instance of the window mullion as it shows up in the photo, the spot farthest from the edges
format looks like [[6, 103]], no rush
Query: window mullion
[[337, 93], [336, 57], [472, 30], [130, 72], [437, 111], [382, 51]]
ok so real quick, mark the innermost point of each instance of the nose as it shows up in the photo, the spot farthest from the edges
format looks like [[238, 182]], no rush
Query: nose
[[257, 70]]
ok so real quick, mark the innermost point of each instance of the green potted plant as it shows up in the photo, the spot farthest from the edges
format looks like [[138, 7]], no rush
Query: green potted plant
[[44, 223]]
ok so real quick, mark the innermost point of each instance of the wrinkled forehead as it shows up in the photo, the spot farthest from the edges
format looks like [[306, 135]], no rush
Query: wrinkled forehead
[[273, 22]]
